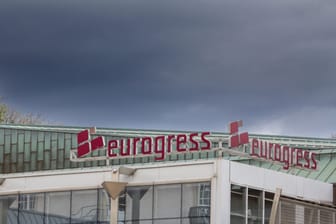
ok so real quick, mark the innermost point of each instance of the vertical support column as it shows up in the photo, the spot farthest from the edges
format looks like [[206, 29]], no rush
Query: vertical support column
[[213, 195], [114, 201], [221, 212], [114, 188], [275, 205]]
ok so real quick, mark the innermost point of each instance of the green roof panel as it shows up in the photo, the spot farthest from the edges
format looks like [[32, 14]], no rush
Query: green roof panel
[[37, 147]]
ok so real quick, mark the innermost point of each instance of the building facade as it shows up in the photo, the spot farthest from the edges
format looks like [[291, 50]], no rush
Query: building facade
[[79, 175]]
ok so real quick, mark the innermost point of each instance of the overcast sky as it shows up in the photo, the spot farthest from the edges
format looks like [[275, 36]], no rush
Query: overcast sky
[[176, 65]]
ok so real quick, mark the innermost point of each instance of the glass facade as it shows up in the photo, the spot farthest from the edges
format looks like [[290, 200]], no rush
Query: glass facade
[[64, 207], [158, 204], [166, 204], [250, 206]]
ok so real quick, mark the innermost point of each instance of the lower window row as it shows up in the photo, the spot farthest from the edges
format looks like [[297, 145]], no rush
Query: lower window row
[[158, 204]]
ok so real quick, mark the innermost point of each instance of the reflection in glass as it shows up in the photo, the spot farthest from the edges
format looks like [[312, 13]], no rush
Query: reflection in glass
[[196, 202], [57, 207], [139, 222], [8, 209], [167, 203], [255, 206], [103, 206], [31, 208], [167, 221], [238, 204], [122, 207], [84, 206], [139, 201], [268, 205]]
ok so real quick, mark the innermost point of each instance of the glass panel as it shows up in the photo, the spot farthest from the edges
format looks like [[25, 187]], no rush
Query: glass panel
[[167, 203], [139, 201], [196, 202], [84, 206], [168, 221], [238, 204], [31, 208], [140, 222], [268, 205], [205, 194], [122, 207], [58, 207], [103, 206], [255, 206], [199, 220], [9, 209]]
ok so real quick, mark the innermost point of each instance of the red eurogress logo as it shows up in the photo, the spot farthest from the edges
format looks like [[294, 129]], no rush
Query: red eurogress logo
[[86, 145], [235, 138]]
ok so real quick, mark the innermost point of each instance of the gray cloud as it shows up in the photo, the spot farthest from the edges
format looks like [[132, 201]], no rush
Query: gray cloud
[[174, 64]]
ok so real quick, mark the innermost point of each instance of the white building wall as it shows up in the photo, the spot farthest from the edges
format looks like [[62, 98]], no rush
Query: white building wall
[[269, 180], [220, 172]]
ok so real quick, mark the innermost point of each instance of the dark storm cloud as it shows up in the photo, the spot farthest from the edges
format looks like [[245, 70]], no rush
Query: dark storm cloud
[[169, 64]]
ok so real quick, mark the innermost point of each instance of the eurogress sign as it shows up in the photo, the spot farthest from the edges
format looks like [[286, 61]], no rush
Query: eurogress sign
[[287, 155], [158, 146], [162, 145]]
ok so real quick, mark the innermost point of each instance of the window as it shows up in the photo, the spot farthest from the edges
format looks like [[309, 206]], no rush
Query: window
[[9, 209], [204, 194], [57, 207], [31, 207], [103, 206], [238, 204], [255, 206], [250, 205], [84, 206], [167, 201], [196, 203], [167, 204], [80, 206], [27, 202], [139, 203]]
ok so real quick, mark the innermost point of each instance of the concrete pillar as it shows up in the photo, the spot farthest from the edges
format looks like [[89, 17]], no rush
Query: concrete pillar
[[114, 201]]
